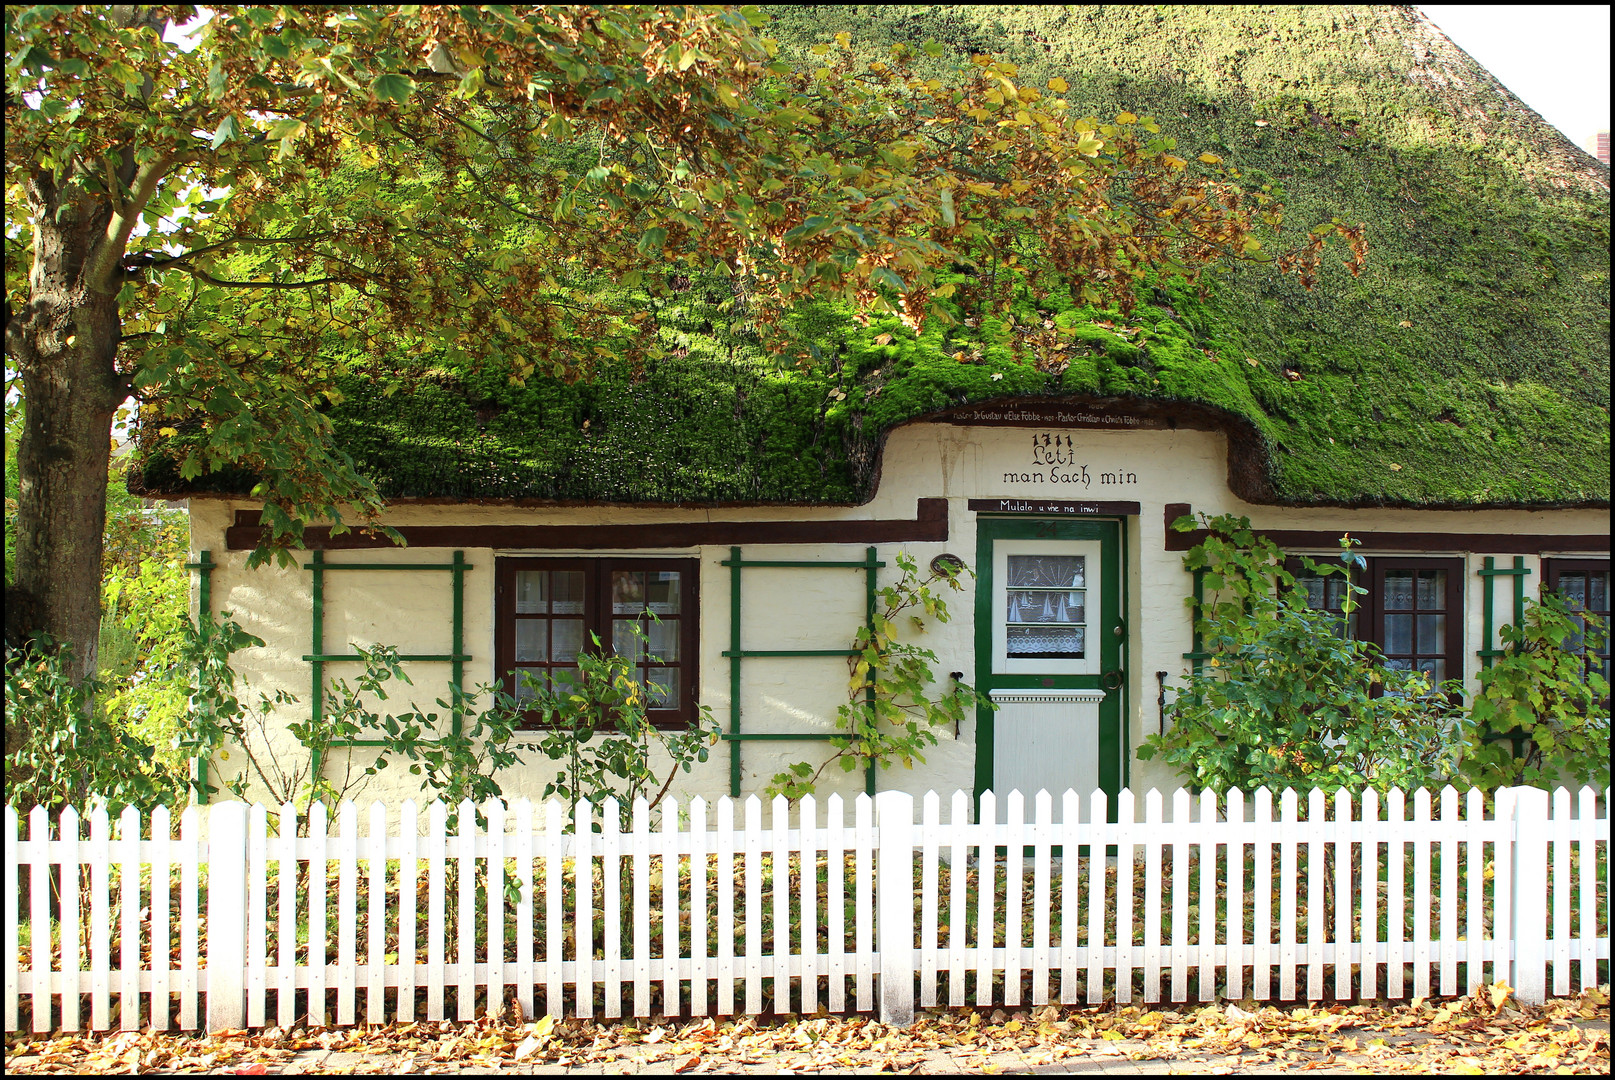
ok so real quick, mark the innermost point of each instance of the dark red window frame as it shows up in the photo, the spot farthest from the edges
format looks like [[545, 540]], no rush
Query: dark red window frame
[[1370, 617], [1554, 569], [596, 617]]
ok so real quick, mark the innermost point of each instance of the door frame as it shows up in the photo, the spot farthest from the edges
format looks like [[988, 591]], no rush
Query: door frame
[[1114, 652]]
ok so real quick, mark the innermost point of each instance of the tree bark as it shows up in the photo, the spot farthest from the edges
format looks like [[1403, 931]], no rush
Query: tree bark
[[64, 344]]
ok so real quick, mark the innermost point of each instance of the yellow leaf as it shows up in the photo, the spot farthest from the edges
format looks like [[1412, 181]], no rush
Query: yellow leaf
[[1500, 990], [1395, 467], [1210, 159], [1059, 86], [1126, 118], [1112, 1036]]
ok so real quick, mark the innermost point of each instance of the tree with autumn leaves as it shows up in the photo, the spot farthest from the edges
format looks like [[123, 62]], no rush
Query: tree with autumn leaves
[[212, 222]]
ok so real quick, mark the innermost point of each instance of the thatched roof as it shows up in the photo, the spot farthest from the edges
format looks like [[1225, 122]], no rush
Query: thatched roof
[[1468, 366]]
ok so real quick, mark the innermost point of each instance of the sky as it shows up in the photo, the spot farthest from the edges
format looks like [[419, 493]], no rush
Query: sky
[[1553, 57]]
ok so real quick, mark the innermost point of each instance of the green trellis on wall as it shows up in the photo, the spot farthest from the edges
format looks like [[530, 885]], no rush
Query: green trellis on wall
[[735, 736], [318, 657]]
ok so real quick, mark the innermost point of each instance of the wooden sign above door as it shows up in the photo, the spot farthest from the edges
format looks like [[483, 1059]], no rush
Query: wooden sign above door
[[1053, 507]]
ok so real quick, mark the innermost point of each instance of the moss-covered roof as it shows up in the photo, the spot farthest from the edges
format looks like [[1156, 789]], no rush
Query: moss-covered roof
[[1467, 366]]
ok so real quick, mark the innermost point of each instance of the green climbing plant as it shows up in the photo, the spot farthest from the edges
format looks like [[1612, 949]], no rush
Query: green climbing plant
[[893, 710]]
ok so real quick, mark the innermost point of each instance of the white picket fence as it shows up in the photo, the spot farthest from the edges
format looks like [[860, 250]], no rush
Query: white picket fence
[[1453, 889]]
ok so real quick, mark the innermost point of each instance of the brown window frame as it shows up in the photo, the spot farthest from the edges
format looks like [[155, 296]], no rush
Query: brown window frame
[[1370, 615], [1552, 568], [597, 619]]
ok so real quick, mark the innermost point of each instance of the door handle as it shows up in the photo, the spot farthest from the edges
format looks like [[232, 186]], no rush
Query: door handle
[[1111, 680]]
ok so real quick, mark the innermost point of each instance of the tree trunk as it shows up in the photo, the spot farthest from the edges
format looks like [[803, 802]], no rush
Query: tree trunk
[[63, 344]]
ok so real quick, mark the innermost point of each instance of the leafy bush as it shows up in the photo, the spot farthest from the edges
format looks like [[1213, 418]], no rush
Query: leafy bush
[[69, 753], [1284, 698], [1542, 714]]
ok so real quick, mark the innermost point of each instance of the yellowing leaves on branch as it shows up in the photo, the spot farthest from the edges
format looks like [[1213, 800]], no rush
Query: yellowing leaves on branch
[[225, 217]]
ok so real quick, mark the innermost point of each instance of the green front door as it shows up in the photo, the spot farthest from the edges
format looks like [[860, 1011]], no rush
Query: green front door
[[1049, 651]]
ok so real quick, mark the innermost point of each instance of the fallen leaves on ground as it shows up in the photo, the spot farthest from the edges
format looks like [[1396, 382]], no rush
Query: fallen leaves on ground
[[1486, 1032]]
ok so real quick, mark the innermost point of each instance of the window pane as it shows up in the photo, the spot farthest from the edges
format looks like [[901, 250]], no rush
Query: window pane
[[1041, 606], [1046, 571], [1399, 590], [664, 640], [1432, 589], [530, 592], [624, 642], [1598, 592], [627, 592], [1432, 633], [1314, 588], [663, 684], [568, 592], [568, 640], [529, 682], [1573, 587], [1046, 642], [1398, 635], [1436, 669], [662, 591], [530, 639]]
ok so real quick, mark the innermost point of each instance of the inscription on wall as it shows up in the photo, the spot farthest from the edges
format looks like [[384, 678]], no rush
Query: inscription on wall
[[1039, 414], [1055, 459]]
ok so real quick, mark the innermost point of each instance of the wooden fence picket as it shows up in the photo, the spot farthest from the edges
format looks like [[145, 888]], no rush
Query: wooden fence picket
[[1014, 864], [1206, 960], [1126, 957], [555, 906], [1343, 890], [1262, 895], [1317, 873], [408, 877], [724, 882], [257, 913], [958, 877], [611, 890], [986, 895], [1421, 893], [700, 968], [436, 922], [863, 814], [376, 925], [808, 900], [779, 969], [1474, 907], [1154, 829], [930, 831], [583, 909], [1042, 826], [1560, 857], [494, 810], [100, 932], [1234, 821], [129, 923], [68, 831], [347, 904], [1097, 839], [1587, 842], [1182, 836]]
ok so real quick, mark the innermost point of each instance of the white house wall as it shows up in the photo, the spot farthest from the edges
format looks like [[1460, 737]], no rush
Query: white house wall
[[813, 609]]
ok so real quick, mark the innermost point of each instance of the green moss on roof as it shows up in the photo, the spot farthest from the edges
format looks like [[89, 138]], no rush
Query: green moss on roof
[[1469, 365]]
